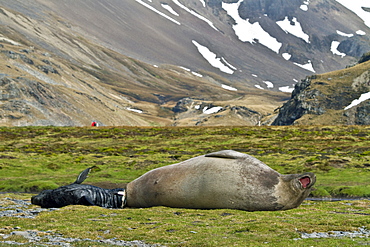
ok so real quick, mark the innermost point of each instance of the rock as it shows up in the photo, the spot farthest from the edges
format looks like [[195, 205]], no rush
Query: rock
[[304, 100], [276, 10], [47, 68], [24, 234], [364, 58], [329, 97], [362, 115], [355, 46], [15, 55], [182, 105]]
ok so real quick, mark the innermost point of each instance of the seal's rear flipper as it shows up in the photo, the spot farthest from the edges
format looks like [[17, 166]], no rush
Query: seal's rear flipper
[[226, 154], [82, 176]]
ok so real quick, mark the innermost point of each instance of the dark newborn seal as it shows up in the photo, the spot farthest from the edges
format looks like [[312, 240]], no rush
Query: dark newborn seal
[[225, 179], [80, 194]]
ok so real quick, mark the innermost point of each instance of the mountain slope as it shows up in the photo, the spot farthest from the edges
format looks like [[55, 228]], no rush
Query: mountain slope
[[260, 43], [51, 75], [168, 62]]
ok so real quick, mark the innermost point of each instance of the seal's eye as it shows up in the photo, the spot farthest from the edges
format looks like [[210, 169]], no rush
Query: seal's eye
[[305, 181]]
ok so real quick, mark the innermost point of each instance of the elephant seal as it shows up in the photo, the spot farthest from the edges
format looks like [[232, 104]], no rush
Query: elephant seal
[[80, 194], [224, 179]]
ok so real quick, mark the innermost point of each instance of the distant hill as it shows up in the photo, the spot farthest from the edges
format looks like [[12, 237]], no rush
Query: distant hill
[[338, 97], [168, 62]]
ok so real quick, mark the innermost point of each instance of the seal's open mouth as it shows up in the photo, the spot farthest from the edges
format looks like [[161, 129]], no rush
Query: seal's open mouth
[[305, 181]]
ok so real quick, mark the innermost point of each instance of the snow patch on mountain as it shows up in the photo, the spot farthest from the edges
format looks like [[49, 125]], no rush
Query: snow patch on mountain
[[228, 87], [134, 110], [345, 34], [213, 59], [169, 9], [203, 3], [269, 84], [286, 89], [304, 6], [356, 6], [248, 32], [197, 74], [211, 110], [158, 12], [184, 68], [189, 70], [363, 97], [334, 49], [9, 41], [228, 64], [293, 27], [286, 56], [307, 66], [360, 32], [195, 14]]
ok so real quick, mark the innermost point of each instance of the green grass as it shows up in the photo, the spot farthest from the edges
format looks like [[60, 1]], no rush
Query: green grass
[[38, 158], [189, 227]]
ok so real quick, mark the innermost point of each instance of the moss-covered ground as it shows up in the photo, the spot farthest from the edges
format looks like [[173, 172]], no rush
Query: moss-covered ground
[[37, 158]]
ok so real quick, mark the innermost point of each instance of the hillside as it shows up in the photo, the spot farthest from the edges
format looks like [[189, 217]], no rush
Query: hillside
[[338, 97], [263, 44], [144, 63]]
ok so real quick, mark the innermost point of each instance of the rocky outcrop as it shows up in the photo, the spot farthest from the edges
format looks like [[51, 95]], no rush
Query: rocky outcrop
[[303, 101], [355, 46], [275, 9], [362, 115], [204, 113], [328, 99]]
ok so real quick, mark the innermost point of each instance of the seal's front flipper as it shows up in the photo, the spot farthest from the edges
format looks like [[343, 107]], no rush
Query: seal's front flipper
[[85, 201], [82, 176], [226, 154]]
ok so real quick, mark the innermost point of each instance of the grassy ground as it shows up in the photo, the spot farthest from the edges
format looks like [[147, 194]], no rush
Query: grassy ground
[[189, 227], [37, 158]]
